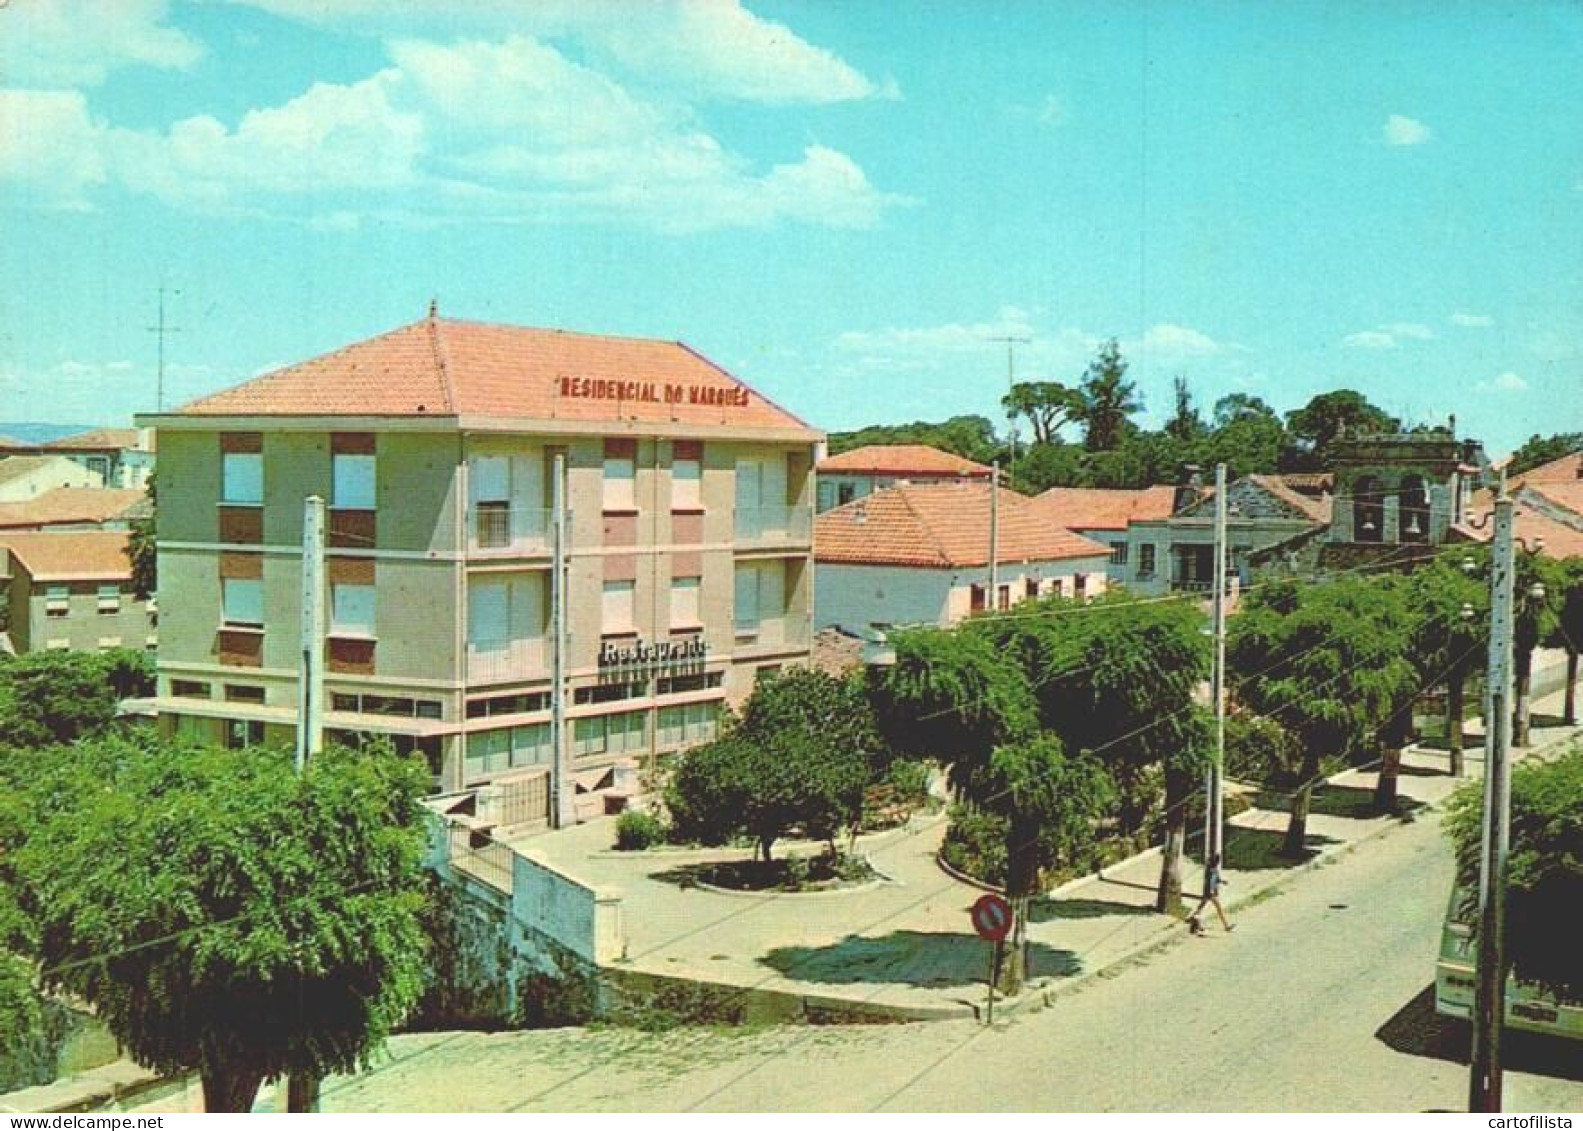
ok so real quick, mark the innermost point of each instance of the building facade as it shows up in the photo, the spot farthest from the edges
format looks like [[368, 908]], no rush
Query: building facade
[[24, 478], [72, 591], [1104, 515], [921, 554], [688, 502], [862, 471]]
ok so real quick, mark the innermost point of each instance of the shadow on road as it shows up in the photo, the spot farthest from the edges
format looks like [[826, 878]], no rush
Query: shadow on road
[[919, 958], [1417, 1030], [1334, 801], [1258, 850], [1047, 910]]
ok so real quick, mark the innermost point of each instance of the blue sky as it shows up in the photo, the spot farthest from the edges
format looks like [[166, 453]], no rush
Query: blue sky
[[844, 202]]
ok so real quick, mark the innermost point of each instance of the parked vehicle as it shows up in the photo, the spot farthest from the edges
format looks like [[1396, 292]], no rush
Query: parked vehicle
[[1527, 1006]]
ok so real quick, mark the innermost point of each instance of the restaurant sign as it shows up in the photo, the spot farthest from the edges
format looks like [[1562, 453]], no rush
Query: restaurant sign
[[663, 653]]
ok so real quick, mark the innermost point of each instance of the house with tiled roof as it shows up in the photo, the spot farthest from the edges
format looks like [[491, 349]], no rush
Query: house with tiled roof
[[77, 508], [449, 454], [1105, 513], [874, 467], [935, 553], [72, 590], [26, 477], [118, 457]]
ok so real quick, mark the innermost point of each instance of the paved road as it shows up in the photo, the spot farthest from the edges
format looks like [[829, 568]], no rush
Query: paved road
[[1316, 1003]]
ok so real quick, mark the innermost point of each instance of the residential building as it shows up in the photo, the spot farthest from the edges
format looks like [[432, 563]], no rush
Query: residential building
[[77, 508], [26, 477], [688, 502], [72, 590], [1104, 514], [123, 457], [921, 554], [862, 471]]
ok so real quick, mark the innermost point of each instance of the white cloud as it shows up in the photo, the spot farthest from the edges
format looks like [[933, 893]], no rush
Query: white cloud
[[1415, 330], [50, 146], [1475, 320], [1370, 340], [1170, 340], [72, 43], [1507, 382], [512, 131], [1402, 130]]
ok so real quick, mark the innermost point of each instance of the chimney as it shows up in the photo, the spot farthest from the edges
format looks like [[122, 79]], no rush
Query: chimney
[[1189, 487]]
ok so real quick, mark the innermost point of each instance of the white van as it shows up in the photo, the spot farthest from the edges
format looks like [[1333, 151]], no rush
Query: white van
[[1527, 1007]]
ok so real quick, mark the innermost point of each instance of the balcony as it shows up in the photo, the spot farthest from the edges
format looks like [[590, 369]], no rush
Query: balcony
[[761, 527], [507, 530], [514, 661]]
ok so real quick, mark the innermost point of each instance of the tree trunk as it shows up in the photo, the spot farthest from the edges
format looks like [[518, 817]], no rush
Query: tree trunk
[[1456, 708], [302, 1092], [1022, 882], [1570, 712], [1520, 723], [229, 1087], [1168, 896], [1390, 768], [1297, 827]]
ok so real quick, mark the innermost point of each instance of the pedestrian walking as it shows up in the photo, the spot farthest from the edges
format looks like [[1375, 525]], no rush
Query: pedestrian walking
[[1212, 882]]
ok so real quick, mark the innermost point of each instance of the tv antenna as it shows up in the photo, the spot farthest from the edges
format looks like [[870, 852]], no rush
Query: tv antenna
[[160, 328], [1012, 342]]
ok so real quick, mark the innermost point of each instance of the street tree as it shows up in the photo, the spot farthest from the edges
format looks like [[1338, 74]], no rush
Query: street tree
[[832, 709], [1047, 405], [1537, 450], [1539, 591], [1544, 881], [1569, 627], [222, 914], [1242, 406], [1185, 425], [1109, 399], [55, 697], [1451, 611], [1050, 801], [1328, 661], [142, 551]]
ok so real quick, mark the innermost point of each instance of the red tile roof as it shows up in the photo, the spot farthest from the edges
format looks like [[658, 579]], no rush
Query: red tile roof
[[1560, 540], [100, 439], [1103, 508], [88, 555], [1567, 469], [1564, 493], [1316, 508], [71, 505], [943, 526], [448, 367], [900, 459]]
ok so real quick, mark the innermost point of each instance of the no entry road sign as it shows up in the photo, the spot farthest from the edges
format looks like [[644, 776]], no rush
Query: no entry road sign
[[991, 917]]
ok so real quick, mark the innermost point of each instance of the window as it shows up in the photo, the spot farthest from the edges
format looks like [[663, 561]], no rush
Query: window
[[242, 478], [760, 595], [610, 692], [108, 642], [395, 706], [109, 598], [57, 600], [241, 733], [242, 599], [1030, 587], [56, 644], [686, 474], [617, 616], [1146, 560], [490, 480], [352, 481], [494, 751], [680, 684], [845, 493], [242, 693], [190, 689], [975, 598], [684, 602], [1118, 553], [610, 734], [620, 468], [352, 610], [1003, 600], [1080, 585], [688, 723], [508, 705]]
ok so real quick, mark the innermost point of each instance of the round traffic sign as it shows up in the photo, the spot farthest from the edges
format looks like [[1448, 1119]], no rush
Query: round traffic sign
[[991, 917]]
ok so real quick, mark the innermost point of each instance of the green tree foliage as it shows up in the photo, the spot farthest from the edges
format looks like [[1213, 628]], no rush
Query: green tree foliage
[[1451, 611], [1569, 629], [1323, 420], [1537, 450], [223, 914], [1329, 662], [1540, 592], [56, 697], [835, 709], [1544, 884], [1047, 405], [766, 785], [141, 550], [1109, 399], [971, 437], [1185, 425]]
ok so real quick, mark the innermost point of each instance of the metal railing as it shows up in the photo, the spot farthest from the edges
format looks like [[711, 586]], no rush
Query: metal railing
[[505, 528], [765, 526], [482, 858]]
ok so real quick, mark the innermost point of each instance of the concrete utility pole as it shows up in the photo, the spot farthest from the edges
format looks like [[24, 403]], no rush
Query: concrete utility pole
[[1489, 1006], [310, 668], [564, 811], [994, 537], [302, 1088], [1214, 825]]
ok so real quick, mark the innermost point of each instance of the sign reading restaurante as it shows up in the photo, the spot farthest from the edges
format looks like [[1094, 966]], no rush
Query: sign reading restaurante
[[655, 392], [694, 649]]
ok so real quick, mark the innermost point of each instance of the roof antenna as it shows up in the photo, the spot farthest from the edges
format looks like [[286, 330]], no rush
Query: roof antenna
[[434, 309]]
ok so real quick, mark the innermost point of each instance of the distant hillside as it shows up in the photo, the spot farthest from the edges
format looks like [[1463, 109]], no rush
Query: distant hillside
[[32, 432]]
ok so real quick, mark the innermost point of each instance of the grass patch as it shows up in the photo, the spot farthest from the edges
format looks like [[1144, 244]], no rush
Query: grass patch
[[790, 874]]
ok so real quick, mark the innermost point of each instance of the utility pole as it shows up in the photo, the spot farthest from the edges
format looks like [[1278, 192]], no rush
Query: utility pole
[[1012, 342], [994, 537], [564, 811], [302, 1088], [310, 668], [1489, 1001], [1214, 826], [160, 329]]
